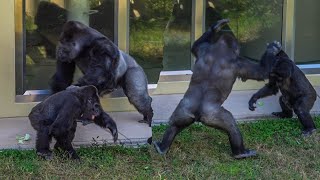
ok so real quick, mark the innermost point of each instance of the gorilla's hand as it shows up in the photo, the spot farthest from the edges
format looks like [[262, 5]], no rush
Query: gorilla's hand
[[219, 25], [252, 101], [274, 47]]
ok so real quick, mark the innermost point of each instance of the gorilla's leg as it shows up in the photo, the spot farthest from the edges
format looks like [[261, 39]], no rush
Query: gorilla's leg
[[135, 86], [302, 110], [181, 118], [286, 109], [220, 118], [43, 142], [65, 142]]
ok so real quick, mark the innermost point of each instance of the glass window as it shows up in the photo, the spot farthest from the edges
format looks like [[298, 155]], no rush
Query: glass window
[[160, 34], [307, 32], [43, 21], [253, 22]]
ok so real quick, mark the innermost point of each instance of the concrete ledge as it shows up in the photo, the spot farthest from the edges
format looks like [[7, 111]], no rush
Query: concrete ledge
[[236, 103], [131, 132]]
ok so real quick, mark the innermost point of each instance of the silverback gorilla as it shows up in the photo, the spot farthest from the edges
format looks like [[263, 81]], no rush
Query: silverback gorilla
[[57, 117], [216, 69], [103, 65], [298, 95]]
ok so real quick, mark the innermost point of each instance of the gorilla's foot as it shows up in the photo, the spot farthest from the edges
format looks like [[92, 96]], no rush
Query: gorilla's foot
[[47, 155], [282, 114], [246, 154], [308, 132], [73, 155], [156, 145]]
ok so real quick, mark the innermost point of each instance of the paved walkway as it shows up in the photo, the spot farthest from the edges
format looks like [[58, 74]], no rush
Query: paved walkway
[[236, 103], [131, 132]]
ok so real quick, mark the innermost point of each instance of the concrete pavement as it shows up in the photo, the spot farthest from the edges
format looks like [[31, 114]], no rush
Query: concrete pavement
[[131, 132]]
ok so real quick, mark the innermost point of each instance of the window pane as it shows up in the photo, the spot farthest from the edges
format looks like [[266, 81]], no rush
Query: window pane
[[160, 33], [307, 32], [253, 22], [43, 24]]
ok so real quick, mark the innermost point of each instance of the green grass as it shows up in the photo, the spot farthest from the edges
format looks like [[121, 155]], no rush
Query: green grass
[[197, 153]]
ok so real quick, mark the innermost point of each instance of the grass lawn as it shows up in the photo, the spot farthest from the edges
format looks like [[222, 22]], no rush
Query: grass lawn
[[197, 153]]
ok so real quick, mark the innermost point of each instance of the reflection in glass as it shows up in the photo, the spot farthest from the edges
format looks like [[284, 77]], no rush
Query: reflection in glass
[[160, 34], [307, 32], [43, 21], [253, 22]]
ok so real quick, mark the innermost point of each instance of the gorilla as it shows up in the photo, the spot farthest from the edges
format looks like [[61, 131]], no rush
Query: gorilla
[[57, 117], [217, 67], [103, 65], [298, 95]]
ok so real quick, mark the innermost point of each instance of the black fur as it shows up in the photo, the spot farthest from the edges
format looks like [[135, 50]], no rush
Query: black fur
[[217, 67], [57, 117], [298, 95], [102, 64]]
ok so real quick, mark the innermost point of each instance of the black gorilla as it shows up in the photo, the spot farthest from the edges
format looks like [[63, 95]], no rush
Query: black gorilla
[[298, 95], [102, 64], [215, 71], [57, 117]]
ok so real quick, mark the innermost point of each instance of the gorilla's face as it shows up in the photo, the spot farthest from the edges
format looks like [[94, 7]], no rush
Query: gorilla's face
[[67, 49], [91, 106], [73, 39], [273, 48]]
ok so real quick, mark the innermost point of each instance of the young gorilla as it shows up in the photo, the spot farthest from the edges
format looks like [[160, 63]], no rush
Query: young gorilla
[[298, 95], [102, 64], [57, 117], [215, 71]]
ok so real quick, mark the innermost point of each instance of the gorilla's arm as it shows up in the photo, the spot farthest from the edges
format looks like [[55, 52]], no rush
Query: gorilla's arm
[[63, 76], [250, 70], [268, 90], [68, 113], [207, 37], [105, 121]]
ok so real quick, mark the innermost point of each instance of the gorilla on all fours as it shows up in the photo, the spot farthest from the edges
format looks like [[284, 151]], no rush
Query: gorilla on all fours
[[57, 117], [217, 67], [103, 65], [297, 93]]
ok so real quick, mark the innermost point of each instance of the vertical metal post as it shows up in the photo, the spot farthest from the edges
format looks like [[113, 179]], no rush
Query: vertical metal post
[[19, 59], [122, 26], [198, 21], [288, 31]]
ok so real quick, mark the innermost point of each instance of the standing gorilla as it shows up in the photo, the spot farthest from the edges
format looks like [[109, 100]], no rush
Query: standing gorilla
[[215, 71], [57, 117], [102, 64], [298, 95]]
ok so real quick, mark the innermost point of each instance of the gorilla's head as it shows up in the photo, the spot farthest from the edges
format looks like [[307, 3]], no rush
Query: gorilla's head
[[271, 55], [91, 103], [74, 38]]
